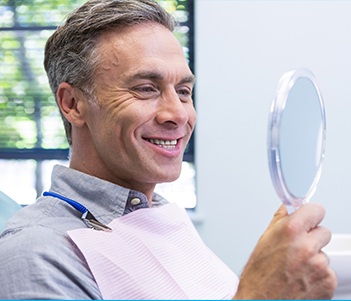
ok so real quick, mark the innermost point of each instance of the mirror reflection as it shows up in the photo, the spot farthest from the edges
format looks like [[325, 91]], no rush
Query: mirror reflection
[[301, 137]]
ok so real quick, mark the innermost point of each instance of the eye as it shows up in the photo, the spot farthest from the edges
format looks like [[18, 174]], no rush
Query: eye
[[145, 91], [185, 93]]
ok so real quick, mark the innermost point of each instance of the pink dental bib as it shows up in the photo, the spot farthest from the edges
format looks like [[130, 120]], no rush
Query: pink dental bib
[[154, 253]]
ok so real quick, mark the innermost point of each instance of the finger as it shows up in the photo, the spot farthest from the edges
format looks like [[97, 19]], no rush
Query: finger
[[320, 263], [322, 277], [278, 215], [309, 216], [319, 237], [327, 258]]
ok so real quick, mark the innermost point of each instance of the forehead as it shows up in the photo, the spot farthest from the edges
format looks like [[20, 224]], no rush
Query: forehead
[[143, 45]]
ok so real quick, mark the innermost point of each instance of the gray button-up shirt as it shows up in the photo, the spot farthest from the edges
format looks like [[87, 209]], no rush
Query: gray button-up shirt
[[37, 259]]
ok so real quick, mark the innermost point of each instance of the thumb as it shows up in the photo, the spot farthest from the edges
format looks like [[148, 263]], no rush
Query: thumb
[[278, 215]]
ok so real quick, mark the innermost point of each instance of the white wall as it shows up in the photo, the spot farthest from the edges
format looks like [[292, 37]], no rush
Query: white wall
[[242, 49]]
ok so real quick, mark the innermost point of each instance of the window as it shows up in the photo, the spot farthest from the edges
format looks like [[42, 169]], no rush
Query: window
[[32, 137]]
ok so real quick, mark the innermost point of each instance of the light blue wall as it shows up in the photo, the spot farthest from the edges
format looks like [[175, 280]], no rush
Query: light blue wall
[[242, 49]]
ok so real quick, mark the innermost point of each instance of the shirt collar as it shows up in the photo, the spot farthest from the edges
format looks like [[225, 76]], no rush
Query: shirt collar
[[105, 200]]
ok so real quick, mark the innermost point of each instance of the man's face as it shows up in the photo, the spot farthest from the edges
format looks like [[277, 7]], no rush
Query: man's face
[[145, 114]]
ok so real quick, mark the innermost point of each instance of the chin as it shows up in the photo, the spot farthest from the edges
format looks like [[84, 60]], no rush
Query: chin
[[170, 178]]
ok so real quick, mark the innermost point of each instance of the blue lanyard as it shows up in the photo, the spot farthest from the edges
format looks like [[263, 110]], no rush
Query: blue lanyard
[[87, 217]]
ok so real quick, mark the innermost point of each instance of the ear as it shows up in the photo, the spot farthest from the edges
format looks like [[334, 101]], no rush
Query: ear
[[71, 104]]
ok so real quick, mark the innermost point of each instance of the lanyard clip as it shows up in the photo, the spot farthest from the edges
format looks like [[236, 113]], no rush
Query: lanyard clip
[[93, 223], [96, 225]]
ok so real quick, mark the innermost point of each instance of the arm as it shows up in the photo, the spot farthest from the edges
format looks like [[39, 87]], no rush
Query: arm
[[41, 263], [287, 262]]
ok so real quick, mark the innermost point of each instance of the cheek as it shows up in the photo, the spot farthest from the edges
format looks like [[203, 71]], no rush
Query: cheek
[[192, 116], [121, 122], [115, 110], [101, 124]]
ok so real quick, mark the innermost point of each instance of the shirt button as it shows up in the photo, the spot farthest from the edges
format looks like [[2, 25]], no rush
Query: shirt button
[[135, 201]]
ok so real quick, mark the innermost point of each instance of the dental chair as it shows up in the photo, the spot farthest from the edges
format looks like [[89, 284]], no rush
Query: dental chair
[[8, 207]]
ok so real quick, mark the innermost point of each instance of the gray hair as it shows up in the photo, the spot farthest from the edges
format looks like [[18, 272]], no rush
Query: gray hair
[[71, 52]]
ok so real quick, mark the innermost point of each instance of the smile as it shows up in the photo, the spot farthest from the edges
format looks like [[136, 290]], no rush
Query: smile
[[170, 144]]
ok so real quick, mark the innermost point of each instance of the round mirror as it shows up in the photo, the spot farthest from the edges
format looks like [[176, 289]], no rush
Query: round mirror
[[296, 138]]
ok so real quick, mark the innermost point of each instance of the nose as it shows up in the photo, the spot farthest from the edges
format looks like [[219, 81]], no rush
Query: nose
[[172, 111]]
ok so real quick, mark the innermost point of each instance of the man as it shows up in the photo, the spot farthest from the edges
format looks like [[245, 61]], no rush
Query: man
[[124, 90]]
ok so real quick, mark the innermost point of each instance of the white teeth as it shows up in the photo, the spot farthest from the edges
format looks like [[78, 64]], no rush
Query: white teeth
[[164, 143]]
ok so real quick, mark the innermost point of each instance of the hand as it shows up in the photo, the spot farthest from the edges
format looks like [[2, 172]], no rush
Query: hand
[[287, 262]]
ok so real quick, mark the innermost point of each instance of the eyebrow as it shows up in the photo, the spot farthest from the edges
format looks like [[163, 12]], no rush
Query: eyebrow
[[158, 76], [188, 79]]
